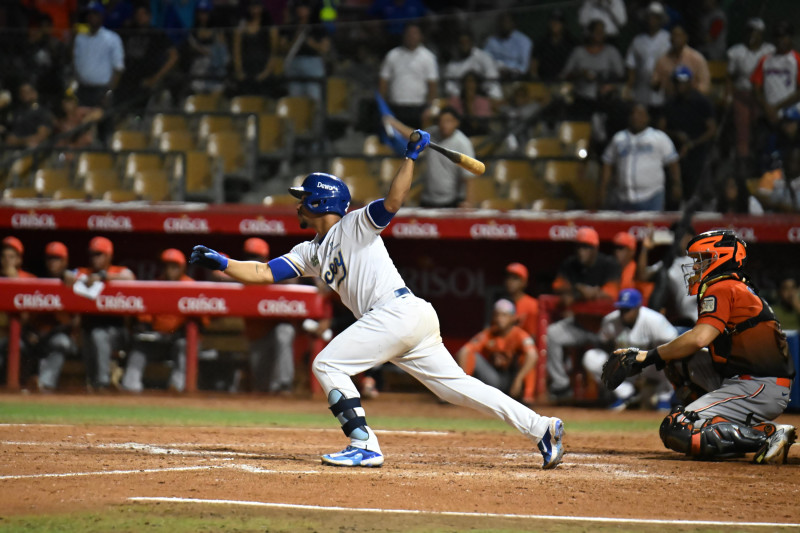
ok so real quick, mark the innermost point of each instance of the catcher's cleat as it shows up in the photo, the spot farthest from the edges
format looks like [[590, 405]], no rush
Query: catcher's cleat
[[352, 456], [552, 444], [778, 445]]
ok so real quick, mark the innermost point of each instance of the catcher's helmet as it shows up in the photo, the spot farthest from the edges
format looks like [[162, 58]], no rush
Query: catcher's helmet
[[323, 193], [715, 252]]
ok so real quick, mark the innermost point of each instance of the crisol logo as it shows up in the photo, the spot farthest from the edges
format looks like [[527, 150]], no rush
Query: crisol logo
[[493, 231], [747, 234], [640, 232], [186, 225], [793, 234], [282, 307], [110, 223], [120, 302], [413, 230], [38, 302], [33, 221], [262, 226], [201, 304], [562, 233]]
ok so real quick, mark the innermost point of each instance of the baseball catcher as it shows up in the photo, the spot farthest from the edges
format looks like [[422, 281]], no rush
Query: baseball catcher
[[740, 384]]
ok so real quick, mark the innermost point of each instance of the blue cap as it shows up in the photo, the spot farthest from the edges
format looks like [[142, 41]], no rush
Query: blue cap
[[96, 7], [628, 299], [204, 5], [682, 73]]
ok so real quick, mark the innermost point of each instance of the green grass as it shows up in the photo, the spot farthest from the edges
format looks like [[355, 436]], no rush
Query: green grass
[[29, 413]]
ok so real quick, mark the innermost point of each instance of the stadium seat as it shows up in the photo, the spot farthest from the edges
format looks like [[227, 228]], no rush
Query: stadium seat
[[479, 189], [575, 135], [718, 70], [481, 148], [249, 104], [300, 111], [137, 162], [524, 191], [89, 161], [49, 180], [19, 192], [556, 204], [214, 124], [280, 200], [152, 185], [544, 147], [538, 92], [196, 171], [350, 166], [563, 172], [120, 195], [98, 182], [503, 204], [69, 194], [176, 141], [128, 140], [363, 189], [373, 146], [389, 166], [271, 133], [201, 103], [227, 145], [22, 167], [338, 97], [505, 170], [163, 123]]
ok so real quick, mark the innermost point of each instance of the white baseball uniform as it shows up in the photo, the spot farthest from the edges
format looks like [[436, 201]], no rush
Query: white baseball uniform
[[392, 324]]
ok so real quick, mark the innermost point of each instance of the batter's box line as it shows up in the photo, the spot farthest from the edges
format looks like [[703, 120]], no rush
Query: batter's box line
[[555, 518]]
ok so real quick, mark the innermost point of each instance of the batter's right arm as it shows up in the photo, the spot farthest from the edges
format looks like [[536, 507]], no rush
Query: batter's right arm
[[401, 184]]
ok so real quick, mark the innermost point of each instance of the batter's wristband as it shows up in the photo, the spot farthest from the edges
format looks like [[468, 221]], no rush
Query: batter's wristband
[[654, 358]]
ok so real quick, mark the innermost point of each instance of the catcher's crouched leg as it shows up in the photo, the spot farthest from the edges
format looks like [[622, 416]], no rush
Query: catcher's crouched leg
[[716, 438]]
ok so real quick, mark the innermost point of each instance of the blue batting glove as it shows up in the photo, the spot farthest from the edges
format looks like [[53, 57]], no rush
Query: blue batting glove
[[414, 148], [208, 258]]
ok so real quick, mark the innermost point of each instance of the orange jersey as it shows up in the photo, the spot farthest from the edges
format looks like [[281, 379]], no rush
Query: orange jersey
[[628, 281], [501, 351], [528, 313], [166, 323], [759, 350]]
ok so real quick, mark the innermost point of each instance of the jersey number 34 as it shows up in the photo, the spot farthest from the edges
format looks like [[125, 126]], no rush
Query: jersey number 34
[[333, 270]]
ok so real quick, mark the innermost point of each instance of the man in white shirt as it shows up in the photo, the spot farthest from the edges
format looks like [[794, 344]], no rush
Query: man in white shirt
[[632, 325], [408, 77], [611, 12], [637, 157], [644, 51], [472, 58], [98, 58], [510, 48]]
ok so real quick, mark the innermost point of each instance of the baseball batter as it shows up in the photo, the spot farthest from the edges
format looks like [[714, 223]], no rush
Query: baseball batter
[[745, 376], [392, 324]]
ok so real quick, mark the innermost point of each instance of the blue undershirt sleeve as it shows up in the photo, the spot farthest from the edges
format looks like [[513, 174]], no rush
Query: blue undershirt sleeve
[[282, 269], [378, 214]]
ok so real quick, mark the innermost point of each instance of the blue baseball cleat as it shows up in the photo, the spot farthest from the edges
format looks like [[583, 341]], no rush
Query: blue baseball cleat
[[552, 445], [352, 456]]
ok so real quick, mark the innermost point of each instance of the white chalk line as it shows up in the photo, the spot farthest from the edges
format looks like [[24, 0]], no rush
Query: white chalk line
[[602, 519], [426, 433], [112, 472]]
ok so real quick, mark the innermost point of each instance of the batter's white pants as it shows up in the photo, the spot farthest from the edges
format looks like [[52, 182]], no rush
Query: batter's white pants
[[405, 331]]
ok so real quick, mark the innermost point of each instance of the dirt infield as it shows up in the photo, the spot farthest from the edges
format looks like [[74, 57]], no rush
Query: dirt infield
[[59, 468]]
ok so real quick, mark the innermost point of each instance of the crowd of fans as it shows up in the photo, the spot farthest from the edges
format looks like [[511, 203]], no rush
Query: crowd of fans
[[76, 59]]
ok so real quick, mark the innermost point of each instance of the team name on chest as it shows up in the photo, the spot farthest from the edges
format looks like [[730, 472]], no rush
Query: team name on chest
[[332, 264]]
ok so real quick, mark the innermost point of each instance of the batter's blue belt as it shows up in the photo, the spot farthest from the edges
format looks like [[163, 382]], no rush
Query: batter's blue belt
[[391, 296]]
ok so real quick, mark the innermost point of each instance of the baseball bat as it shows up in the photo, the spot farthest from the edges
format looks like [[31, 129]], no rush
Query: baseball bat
[[464, 161]]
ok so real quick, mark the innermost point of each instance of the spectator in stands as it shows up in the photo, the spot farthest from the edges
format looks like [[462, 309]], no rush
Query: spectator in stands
[[255, 45], [787, 308], [510, 48], [206, 52], [72, 116], [11, 255], [526, 305], [776, 192], [409, 78], [632, 325], [713, 31], [611, 12], [29, 123], [681, 54], [160, 337], [502, 354], [149, 57], [588, 277], [742, 61], [689, 120], [397, 13], [311, 45], [678, 305], [636, 158], [520, 107], [52, 336], [470, 58], [643, 52], [271, 341], [103, 335], [45, 57], [625, 254], [551, 53], [60, 13], [119, 14], [442, 181], [592, 67], [174, 16], [98, 59], [473, 105]]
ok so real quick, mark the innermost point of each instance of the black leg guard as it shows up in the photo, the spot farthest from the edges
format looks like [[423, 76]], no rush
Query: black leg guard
[[714, 439], [349, 413]]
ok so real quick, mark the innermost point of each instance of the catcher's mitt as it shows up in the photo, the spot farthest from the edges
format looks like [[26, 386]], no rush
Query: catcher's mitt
[[620, 366]]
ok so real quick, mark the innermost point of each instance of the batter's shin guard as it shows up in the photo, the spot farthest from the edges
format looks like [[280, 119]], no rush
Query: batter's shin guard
[[350, 415]]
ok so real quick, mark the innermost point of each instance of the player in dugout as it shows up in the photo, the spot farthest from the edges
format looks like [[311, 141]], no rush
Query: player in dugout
[[740, 385], [392, 324]]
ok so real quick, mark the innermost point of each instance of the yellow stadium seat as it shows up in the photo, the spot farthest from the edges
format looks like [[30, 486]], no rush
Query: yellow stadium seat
[[338, 96], [249, 104], [556, 204], [49, 180], [544, 147], [537, 91], [19, 192], [202, 103], [481, 149], [506, 170], [22, 166], [176, 141], [575, 134], [120, 195], [389, 166], [523, 191], [98, 182], [479, 189], [128, 140], [563, 172], [280, 200], [137, 162], [214, 124], [373, 146], [363, 189], [300, 111], [350, 166], [69, 194], [503, 204], [718, 70], [152, 185], [227, 145], [89, 161], [196, 170], [271, 133], [163, 123]]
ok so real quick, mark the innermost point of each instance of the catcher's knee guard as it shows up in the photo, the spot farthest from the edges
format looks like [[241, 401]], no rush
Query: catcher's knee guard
[[715, 438], [350, 414]]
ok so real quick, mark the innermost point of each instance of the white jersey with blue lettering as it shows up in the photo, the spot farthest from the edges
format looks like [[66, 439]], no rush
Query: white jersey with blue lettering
[[352, 260]]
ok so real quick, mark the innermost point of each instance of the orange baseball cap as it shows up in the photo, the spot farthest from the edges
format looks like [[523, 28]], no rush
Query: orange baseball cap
[[518, 269], [587, 235], [102, 245], [623, 238], [256, 246], [13, 242], [56, 249], [173, 255]]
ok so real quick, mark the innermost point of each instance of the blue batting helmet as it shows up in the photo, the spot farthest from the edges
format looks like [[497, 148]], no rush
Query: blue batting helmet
[[323, 193]]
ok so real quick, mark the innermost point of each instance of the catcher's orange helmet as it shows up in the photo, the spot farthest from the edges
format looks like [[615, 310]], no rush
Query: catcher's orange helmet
[[716, 252]]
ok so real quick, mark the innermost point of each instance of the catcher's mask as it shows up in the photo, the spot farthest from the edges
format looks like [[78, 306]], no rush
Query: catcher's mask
[[323, 193], [715, 252]]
